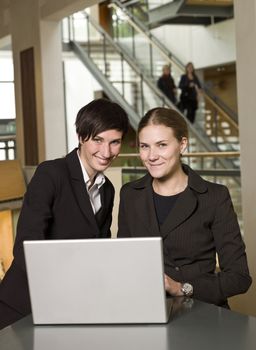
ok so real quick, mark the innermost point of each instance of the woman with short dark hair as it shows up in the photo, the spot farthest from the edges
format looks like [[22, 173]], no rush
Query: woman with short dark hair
[[67, 198]]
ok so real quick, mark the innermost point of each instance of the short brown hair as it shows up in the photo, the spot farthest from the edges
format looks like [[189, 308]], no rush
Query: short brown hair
[[98, 116], [168, 117]]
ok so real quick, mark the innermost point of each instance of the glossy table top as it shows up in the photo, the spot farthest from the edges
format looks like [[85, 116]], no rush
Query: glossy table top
[[193, 325]]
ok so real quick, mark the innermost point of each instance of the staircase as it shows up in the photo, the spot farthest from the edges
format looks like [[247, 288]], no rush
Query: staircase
[[189, 12], [126, 81], [214, 118]]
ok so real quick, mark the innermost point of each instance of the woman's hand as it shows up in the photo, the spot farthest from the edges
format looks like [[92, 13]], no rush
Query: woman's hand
[[172, 287]]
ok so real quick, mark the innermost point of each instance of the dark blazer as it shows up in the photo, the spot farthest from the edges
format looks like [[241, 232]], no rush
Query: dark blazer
[[56, 206], [201, 224], [188, 93], [167, 85]]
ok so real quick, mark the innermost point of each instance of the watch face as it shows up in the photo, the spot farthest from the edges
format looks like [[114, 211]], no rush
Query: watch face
[[187, 289]]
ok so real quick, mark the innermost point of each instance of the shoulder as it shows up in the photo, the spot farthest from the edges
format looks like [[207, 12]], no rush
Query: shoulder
[[134, 186], [217, 191], [48, 176], [52, 167], [59, 169], [65, 165], [204, 187]]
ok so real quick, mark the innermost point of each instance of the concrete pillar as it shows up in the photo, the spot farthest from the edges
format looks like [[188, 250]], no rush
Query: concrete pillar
[[24, 20], [28, 31], [245, 24], [53, 89]]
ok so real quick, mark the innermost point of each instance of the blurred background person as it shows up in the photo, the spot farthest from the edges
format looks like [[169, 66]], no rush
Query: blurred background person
[[167, 85], [190, 89]]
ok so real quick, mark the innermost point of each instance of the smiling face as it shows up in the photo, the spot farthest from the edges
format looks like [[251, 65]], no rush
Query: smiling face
[[160, 150], [98, 152]]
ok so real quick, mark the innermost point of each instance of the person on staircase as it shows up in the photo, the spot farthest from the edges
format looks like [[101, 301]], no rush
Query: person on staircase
[[190, 90], [167, 85]]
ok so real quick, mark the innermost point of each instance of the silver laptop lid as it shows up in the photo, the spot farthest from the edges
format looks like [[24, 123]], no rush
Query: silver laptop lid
[[96, 281]]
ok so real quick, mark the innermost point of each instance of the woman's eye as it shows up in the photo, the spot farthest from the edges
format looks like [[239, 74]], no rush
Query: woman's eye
[[143, 146], [161, 145], [116, 142]]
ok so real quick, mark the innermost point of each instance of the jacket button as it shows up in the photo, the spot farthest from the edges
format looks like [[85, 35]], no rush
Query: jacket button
[[177, 268]]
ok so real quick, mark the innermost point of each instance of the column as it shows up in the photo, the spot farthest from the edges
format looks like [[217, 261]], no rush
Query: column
[[39, 95], [245, 23]]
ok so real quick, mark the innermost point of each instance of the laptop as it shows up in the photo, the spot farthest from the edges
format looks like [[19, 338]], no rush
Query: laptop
[[97, 281]]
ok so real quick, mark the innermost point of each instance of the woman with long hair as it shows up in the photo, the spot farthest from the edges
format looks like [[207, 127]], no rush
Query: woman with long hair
[[190, 88], [194, 217]]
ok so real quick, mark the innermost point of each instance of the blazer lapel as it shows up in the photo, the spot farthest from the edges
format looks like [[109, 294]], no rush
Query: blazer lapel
[[186, 203], [183, 208], [105, 203], [145, 206], [79, 189]]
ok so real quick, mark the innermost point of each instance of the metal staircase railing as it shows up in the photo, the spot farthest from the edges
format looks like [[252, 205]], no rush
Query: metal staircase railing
[[121, 78], [214, 118]]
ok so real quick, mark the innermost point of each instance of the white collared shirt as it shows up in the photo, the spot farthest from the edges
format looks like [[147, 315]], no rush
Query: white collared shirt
[[93, 190]]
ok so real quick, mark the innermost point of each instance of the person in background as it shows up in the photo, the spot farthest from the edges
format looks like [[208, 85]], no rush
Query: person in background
[[67, 198], [194, 217], [190, 88], [167, 85]]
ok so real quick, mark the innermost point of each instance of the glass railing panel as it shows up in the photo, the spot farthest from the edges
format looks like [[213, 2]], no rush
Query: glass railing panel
[[149, 56], [205, 163], [232, 182], [139, 91], [198, 160], [222, 130]]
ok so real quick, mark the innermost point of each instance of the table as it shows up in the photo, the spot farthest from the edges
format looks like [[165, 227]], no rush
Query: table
[[193, 325]]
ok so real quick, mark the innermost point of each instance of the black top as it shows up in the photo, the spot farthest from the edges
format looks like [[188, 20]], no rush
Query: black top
[[163, 206], [167, 86], [189, 92]]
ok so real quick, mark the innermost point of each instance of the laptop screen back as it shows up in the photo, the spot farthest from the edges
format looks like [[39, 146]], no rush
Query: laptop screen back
[[96, 281]]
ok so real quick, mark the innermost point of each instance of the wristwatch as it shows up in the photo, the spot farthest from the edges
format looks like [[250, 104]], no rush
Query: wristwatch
[[187, 289]]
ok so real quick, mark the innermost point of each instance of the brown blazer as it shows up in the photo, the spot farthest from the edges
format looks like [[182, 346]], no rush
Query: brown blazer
[[56, 206], [201, 224]]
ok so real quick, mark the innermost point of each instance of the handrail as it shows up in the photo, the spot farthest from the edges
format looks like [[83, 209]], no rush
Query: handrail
[[220, 103], [131, 62], [220, 109], [203, 140], [170, 58], [193, 154], [151, 38], [159, 93], [115, 95]]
